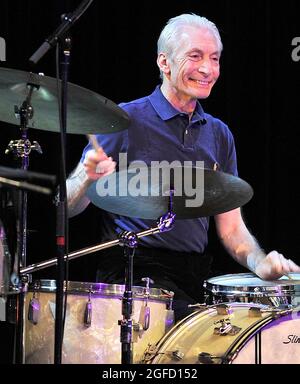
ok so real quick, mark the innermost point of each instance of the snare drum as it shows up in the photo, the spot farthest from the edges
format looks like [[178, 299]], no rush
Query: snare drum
[[247, 287], [93, 339], [238, 333]]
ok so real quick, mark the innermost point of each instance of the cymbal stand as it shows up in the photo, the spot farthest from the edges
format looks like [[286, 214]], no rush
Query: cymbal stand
[[163, 224], [22, 149], [129, 240]]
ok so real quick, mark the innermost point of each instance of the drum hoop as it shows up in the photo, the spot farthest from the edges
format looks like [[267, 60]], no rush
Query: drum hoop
[[279, 288], [235, 348], [239, 343], [78, 287]]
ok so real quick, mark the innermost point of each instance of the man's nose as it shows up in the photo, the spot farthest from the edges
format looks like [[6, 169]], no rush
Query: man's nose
[[205, 67]]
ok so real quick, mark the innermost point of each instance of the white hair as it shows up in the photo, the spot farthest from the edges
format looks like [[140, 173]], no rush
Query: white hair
[[169, 36]]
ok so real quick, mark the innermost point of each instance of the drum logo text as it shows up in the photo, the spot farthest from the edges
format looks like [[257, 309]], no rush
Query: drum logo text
[[292, 339]]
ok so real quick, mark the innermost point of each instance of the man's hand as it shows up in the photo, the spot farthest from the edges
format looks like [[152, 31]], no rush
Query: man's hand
[[275, 265], [97, 164]]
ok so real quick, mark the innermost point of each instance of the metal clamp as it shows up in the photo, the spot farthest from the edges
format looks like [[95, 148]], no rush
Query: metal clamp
[[226, 328]]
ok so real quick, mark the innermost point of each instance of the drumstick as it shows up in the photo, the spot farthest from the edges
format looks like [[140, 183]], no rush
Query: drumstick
[[92, 139]]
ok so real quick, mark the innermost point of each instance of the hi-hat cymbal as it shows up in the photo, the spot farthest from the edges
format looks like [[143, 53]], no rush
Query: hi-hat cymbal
[[88, 112], [198, 193]]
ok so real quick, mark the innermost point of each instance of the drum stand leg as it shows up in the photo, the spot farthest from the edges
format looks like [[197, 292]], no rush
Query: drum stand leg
[[129, 241], [22, 148]]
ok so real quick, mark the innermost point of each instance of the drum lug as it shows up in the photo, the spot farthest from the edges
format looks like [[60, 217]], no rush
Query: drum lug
[[254, 312], [169, 320], [207, 358], [87, 319], [226, 328], [34, 310], [224, 309], [137, 332], [144, 318], [170, 317], [177, 355]]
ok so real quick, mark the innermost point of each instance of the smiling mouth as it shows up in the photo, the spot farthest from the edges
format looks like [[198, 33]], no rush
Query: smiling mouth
[[201, 82]]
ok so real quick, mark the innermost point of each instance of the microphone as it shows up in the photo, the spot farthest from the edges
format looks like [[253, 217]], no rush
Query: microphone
[[68, 21]]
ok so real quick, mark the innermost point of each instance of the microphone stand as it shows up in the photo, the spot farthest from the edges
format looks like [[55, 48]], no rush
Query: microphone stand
[[61, 243], [53, 39], [61, 206]]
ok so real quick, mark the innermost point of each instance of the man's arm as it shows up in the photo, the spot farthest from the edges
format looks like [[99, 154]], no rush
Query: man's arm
[[95, 165], [244, 248], [77, 185]]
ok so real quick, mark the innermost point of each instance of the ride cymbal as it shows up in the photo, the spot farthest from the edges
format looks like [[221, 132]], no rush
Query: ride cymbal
[[88, 112], [198, 192]]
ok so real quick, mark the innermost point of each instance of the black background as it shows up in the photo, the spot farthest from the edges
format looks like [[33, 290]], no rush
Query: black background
[[114, 54]]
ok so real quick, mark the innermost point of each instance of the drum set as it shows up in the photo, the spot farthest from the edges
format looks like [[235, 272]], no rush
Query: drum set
[[239, 328], [250, 322], [247, 321]]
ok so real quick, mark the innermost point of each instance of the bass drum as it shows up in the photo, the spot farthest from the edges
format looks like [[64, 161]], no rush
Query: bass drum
[[92, 333], [235, 333]]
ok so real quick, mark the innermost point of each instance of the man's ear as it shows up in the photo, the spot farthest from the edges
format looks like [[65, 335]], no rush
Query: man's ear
[[163, 63]]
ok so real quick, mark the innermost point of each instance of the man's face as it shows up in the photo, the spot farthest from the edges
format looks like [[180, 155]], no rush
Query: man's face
[[195, 64]]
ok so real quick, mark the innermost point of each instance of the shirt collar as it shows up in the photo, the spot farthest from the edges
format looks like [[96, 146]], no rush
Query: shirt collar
[[166, 111]]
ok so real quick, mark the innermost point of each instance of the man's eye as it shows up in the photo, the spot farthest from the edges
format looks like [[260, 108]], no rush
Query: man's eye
[[195, 56]]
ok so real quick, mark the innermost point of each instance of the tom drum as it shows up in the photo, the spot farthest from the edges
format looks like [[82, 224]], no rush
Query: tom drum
[[92, 338]]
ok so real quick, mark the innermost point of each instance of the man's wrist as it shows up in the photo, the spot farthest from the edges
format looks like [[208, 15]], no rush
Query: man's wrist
[[254, 258]]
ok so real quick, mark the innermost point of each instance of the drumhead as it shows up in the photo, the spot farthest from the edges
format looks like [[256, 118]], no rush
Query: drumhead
[[245, 284], [100, 289]]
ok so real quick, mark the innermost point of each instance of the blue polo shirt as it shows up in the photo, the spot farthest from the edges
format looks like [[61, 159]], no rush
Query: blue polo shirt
[[158, 132]]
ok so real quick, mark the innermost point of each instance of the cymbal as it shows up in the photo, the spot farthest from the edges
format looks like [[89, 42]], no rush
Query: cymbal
[[199, 192], [88, 112]]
